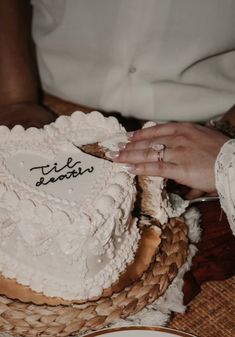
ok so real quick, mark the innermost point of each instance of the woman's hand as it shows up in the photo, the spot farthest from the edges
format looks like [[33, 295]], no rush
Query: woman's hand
[[188, 158]]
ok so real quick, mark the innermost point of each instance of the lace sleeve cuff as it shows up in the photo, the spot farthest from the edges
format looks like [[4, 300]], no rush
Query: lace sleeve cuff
[[225, 180]]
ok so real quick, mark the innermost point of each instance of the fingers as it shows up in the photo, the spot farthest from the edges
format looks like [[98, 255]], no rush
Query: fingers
[[160, 169], [167, 129], [168, 141], [155, 131], [145, 156], [147, 151]]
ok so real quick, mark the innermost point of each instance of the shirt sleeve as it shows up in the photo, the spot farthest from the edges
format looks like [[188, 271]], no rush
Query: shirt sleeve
[[225, 180]]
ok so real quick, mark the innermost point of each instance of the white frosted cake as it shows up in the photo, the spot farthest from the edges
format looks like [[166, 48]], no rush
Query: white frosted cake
[[66, 223]]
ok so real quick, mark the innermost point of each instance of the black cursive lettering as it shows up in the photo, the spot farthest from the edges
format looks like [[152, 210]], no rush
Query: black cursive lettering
[[74, 173], [54, 168]]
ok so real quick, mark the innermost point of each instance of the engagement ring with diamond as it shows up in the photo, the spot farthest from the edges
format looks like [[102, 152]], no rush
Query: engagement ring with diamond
[[160, 149]]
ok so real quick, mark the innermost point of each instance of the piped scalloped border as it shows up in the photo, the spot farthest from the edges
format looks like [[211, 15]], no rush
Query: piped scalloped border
[[94, 121], [77, 120]]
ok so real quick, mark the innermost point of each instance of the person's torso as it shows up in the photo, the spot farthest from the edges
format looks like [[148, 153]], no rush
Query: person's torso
[[154, 59]]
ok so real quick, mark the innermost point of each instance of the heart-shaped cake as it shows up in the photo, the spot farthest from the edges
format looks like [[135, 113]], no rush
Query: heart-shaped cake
[[66, 223]]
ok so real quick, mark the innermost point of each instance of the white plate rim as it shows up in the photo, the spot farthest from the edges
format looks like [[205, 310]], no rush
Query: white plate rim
[[140, 328]]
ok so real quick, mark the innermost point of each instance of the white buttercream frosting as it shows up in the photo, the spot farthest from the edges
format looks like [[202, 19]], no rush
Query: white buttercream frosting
[[111, 143], [68, 214]]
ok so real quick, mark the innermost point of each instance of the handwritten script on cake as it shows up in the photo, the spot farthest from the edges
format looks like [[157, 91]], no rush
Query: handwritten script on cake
[[68, 175], [71, 169]]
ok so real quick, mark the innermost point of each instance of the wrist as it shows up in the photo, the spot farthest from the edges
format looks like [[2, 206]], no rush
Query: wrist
[[226, 123]]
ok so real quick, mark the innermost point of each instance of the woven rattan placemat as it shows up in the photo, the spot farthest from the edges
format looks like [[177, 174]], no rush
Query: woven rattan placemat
[[211, 313]]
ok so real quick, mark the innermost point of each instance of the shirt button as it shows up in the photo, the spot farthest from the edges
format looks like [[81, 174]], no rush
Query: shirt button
[[132, 70]]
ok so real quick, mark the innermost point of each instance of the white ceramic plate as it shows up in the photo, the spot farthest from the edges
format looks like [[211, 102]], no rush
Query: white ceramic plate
[[139, 332]]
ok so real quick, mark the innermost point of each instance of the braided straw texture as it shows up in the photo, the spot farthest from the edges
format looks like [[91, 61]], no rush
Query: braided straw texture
[[28, 319]]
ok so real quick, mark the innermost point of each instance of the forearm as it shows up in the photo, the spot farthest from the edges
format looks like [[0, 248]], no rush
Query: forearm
[[229, 116], [18, 71], [227, 123], [27, 115], [20, 86]]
